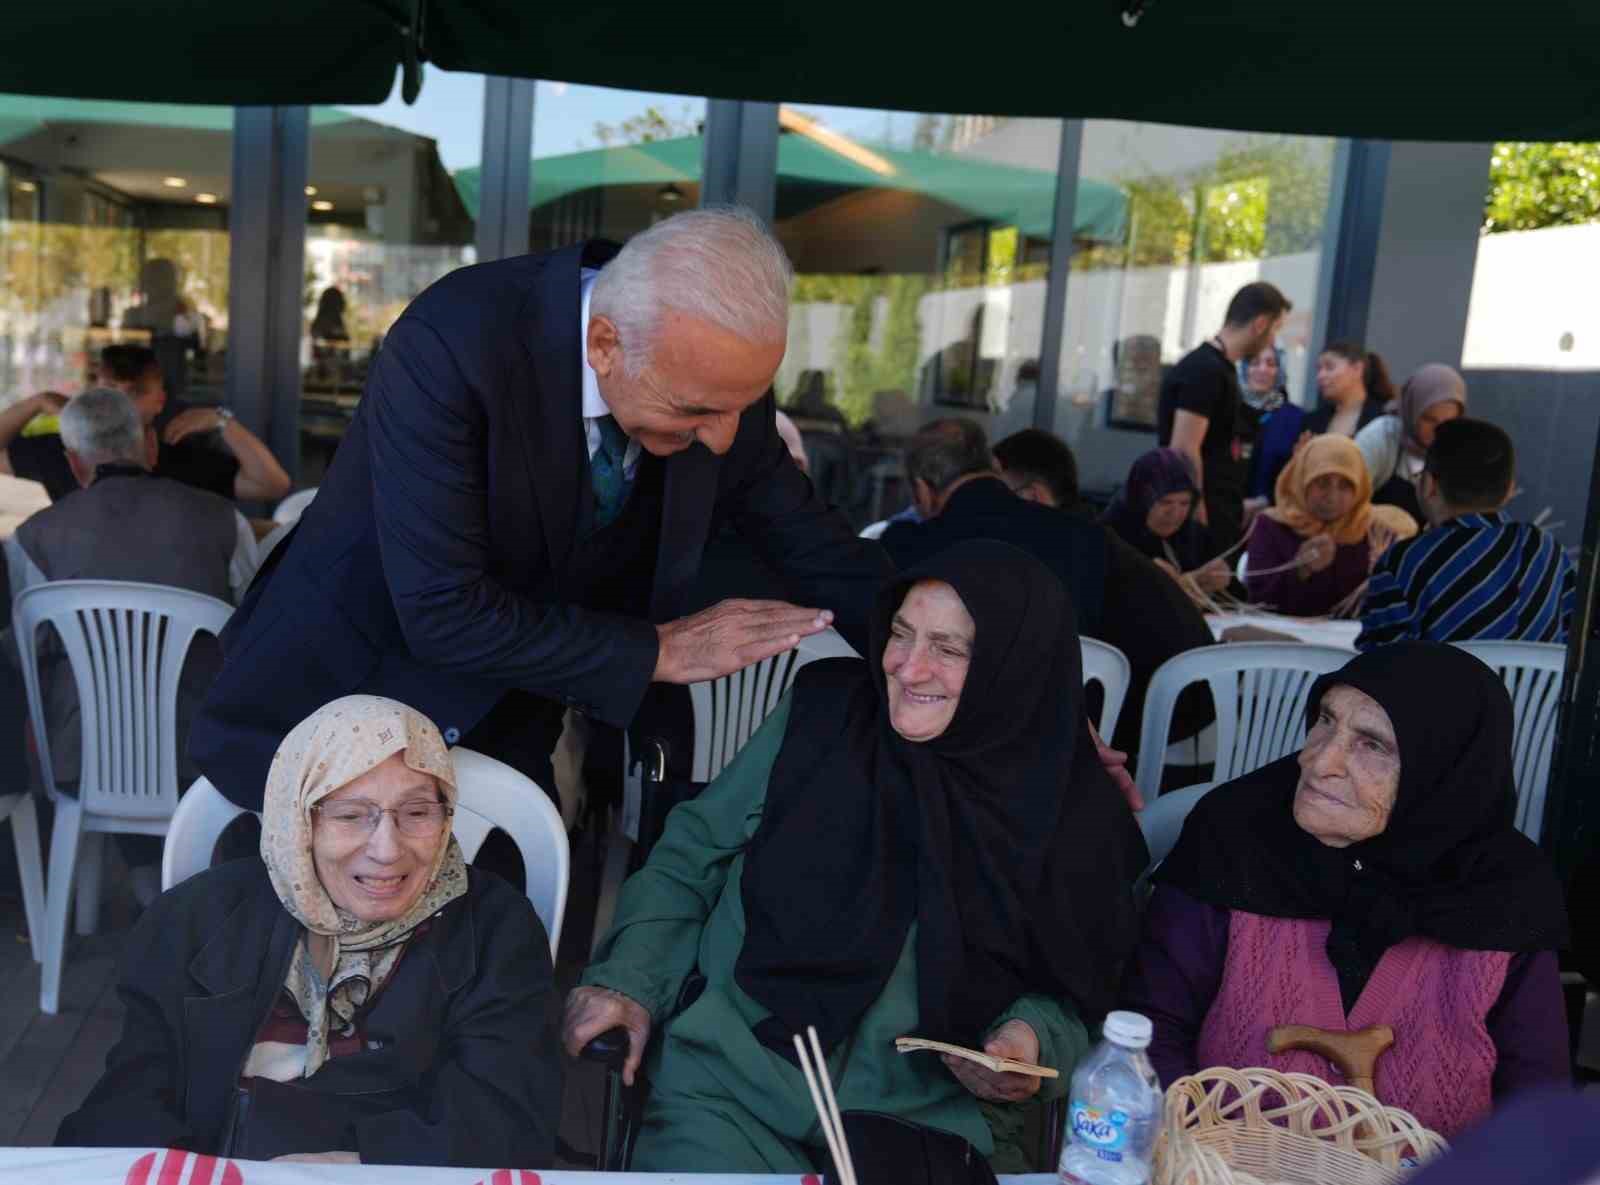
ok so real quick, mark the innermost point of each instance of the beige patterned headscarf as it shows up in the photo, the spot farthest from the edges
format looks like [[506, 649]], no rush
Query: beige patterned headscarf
[[327, 751]]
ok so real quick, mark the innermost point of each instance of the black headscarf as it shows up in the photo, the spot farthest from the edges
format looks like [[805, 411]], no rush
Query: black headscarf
[[1450, 865], [1157, 473], [1003, 838]]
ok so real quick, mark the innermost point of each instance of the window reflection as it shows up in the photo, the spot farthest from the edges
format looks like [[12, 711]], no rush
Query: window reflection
[[921, 244], [1206, 213], [113, 228]]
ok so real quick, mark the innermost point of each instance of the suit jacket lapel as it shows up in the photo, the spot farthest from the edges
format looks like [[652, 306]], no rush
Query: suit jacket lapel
[[550, 417]]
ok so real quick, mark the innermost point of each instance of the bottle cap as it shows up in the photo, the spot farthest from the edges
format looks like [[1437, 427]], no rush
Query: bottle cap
[[1128, 1029]]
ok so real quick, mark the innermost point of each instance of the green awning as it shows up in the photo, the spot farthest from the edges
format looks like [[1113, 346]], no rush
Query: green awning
[[1003, 194], [1370, 68]]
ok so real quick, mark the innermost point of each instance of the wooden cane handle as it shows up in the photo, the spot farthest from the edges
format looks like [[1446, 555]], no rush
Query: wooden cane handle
[[1356, 1054]]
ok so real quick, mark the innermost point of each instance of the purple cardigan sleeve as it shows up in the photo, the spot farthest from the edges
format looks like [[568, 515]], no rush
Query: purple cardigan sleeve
[[1175, 976], [1528, 1025], [1272, 543]]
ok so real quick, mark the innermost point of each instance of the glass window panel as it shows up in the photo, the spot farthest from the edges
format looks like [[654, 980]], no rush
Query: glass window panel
[[113, 228], [391, 206], [609, 163], [921, 245], [1205, 213]]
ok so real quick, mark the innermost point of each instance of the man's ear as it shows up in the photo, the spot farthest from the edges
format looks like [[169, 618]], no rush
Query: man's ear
[[603, 345], [925, 500]]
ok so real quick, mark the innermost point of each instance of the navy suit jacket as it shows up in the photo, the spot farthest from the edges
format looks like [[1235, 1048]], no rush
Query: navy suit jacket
[[428, 569]]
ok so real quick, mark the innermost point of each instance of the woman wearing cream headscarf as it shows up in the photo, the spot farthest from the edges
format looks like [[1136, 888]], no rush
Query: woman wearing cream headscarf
[[357, 994], [1394, 445], [1310, 553]]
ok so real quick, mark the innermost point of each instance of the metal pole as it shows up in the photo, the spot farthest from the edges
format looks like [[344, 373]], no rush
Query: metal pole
[[504, 169], [267, 240], [740, 156], [1055, 295]]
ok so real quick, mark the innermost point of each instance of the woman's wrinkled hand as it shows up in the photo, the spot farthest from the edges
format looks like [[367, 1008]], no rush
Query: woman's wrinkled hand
[[1016, 1040], [1316, 553], [1213, 576], [1115, 762], [595, 1010]]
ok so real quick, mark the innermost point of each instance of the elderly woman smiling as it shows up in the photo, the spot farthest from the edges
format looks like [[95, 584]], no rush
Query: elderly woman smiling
[[356, 994], [1373, 879], [923, 845]]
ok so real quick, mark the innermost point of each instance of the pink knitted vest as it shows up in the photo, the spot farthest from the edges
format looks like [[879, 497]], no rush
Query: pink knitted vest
[[1436, 999]]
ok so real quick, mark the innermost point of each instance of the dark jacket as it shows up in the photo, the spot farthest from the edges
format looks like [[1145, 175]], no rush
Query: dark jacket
[[429, 569], [1121, 597], [460, 1066]]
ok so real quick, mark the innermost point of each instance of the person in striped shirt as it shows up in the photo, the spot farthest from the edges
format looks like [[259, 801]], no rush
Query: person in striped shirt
[[1475, 573]]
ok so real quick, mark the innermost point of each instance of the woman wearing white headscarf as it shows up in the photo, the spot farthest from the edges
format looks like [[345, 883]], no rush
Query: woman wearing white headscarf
[[357, 994], [1394, 446]]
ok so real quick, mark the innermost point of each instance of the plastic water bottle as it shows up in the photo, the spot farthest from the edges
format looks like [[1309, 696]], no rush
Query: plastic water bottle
[[1114, 1111]]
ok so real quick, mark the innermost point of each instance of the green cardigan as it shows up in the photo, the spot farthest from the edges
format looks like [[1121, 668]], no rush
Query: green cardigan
[[684, 910]]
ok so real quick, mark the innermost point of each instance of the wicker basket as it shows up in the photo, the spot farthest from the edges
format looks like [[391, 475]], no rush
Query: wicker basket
[[1260, 1127]]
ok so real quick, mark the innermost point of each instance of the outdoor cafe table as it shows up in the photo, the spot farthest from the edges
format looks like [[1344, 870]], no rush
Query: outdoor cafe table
[[1307, 629], [143, 1166]]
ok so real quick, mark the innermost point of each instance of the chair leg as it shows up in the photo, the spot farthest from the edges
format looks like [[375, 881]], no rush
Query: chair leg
[[30, 870], [58, 899], [615, 871], [91, 875]]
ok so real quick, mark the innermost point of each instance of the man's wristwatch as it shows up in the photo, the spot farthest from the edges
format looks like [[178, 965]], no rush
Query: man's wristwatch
[[224, 418]]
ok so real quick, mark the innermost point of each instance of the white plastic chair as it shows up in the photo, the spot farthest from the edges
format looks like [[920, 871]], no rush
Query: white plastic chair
[[1259, 689], [727, 711], [1532, 673], [126, 644], [292, 507], [875, 530], [1162, 820], [1103, 663], [491, 794]]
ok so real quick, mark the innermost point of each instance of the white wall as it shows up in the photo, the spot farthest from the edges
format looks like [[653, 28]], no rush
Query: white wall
[[1536, 300]]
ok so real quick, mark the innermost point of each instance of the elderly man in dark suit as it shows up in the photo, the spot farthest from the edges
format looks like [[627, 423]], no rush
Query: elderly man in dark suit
[[514, 520]]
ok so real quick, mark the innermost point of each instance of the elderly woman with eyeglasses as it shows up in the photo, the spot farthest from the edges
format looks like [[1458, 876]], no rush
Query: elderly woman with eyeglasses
[[356, 995]]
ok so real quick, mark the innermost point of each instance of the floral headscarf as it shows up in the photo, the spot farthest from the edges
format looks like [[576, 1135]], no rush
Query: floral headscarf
[[325, 752], [1320, 456]]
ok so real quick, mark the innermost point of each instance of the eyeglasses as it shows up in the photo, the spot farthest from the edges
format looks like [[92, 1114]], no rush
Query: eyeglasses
[[359, 817]]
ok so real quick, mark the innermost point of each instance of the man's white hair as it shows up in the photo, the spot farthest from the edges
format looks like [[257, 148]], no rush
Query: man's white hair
[[720, 264], [103, 427]]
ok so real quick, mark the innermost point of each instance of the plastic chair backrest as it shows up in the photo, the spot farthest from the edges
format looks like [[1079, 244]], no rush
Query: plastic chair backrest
[[1259, 689], [1162, 820], [126, 643], [875, 530], [1103, 663], [1532, 673], [202, 815], [490, 794], [292, 507], [727, 711]]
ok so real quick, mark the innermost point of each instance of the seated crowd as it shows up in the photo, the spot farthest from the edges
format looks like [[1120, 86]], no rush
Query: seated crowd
[[931, 840]]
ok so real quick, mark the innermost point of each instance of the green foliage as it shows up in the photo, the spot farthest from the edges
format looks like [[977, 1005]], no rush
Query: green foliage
[[649, 125], [1534, 185], [863, 367]]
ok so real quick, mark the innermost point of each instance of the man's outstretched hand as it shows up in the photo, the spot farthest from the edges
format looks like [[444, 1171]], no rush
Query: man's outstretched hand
[[730, 636]]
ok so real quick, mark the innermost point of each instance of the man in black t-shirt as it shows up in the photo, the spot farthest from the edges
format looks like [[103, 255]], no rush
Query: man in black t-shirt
[[1201, 408]]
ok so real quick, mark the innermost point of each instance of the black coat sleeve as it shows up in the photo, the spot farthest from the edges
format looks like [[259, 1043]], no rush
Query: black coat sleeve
[[1150, 619], [494, 1098], [774, 506], [137, 1102], [430, 498]]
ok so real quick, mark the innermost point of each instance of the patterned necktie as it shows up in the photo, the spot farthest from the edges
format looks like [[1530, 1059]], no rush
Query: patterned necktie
[[605, 470]]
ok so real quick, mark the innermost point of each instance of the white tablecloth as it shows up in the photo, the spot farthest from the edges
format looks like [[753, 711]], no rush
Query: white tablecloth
[[139, 1166], [1324, 633]]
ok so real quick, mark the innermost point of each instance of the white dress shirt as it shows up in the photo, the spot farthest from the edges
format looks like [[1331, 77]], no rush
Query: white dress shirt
[[594, 407]]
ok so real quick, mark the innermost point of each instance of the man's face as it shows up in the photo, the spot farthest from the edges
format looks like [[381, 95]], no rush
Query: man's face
[[699, 380], [148, 392]]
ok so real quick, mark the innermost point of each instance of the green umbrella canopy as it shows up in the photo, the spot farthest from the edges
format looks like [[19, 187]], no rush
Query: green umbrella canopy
[[1334, 67], [809, 173]]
